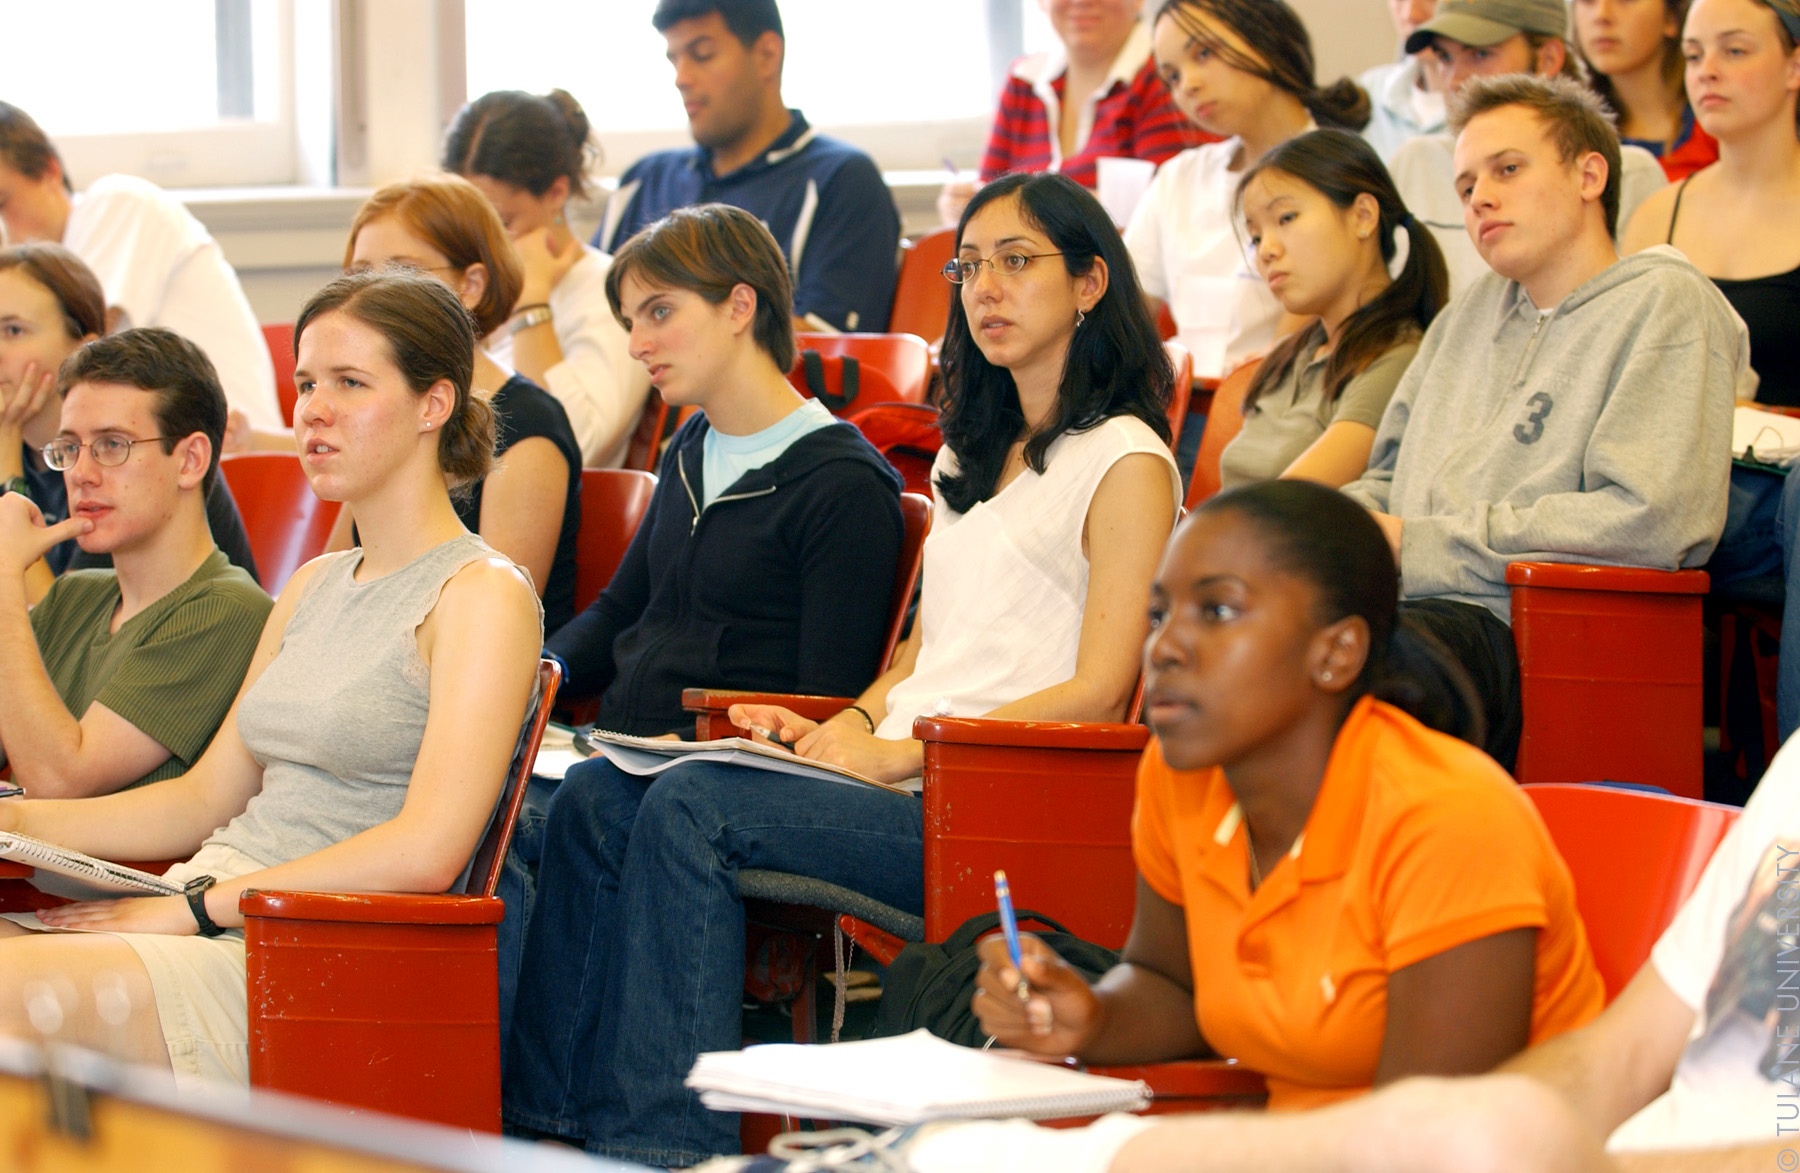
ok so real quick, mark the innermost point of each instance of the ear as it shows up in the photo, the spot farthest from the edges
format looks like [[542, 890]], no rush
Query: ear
[[1365, 216], [1338, 652], [1090, 287], [474, 285], [1551, 57], [1592, 171], [557, 194], [53, 173], [769, 52], [741, 307], [435, 406], [196, 452]]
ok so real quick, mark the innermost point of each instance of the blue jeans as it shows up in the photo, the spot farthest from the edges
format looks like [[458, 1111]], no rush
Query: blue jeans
[[517, 890], [1761, 517], [634, 954]]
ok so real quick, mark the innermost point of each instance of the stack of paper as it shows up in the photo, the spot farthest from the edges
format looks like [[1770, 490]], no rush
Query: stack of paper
[[904, 1080], [1765, 436]]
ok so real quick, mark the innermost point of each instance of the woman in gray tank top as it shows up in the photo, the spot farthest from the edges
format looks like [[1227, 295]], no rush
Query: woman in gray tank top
[[410, 658]]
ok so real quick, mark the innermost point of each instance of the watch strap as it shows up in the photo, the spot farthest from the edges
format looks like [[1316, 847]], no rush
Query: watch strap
[[195, 890], [530, 316]]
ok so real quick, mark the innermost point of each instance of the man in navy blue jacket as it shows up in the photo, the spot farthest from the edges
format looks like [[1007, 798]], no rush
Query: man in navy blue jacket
[[823, 200]]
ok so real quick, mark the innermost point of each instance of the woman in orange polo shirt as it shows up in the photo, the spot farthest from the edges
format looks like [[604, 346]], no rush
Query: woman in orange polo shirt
[[1331, 890]]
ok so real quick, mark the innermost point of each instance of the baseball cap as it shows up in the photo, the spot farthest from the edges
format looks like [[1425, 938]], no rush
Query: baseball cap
[[1488, 22]]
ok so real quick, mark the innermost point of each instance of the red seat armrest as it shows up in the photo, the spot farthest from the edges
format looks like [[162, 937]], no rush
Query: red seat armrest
[[381, 908], [1570, 576], [709, 705], [1030, 734]]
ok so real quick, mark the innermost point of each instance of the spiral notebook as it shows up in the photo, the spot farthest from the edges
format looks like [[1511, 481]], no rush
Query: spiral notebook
[[907, 1079], [62, 872]]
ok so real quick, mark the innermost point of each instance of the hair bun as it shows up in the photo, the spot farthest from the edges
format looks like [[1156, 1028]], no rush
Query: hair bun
[[572, 113], [1342, 103]]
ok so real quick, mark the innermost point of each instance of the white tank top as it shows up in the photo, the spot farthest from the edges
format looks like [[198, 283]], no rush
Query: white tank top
[[1005, 584]]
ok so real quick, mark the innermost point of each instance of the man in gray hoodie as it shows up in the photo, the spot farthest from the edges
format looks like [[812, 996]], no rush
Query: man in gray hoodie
[[1568, 407]]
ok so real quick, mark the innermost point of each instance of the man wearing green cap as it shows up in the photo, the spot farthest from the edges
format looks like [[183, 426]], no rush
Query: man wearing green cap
[[1487, 38]]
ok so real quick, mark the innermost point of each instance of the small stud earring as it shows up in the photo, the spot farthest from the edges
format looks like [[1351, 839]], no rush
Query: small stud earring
[[1325, 676]]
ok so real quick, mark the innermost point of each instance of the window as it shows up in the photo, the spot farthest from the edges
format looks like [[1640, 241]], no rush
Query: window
[[186, 93]]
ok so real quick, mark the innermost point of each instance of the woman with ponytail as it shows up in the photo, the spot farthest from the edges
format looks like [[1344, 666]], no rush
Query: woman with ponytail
[[529, 506], [1335, 889], [1241, 69], [530, 156], [1323, 220]]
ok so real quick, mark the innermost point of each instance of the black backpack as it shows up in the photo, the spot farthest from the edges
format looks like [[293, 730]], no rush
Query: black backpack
[[931, 986]]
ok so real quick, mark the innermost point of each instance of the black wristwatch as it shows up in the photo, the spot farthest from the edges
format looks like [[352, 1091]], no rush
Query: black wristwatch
[[195, 891], [19, 485]]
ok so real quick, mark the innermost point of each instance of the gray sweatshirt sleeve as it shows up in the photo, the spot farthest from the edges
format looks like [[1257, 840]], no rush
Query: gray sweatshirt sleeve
[[1372, 489], [1654, 474]]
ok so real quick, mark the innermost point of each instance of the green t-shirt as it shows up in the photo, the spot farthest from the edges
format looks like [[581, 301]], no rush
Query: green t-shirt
[[172, 669]]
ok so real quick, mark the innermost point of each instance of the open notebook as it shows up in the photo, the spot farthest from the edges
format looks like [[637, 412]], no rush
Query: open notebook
[[62, 872], [652, 755], [903, 1080]]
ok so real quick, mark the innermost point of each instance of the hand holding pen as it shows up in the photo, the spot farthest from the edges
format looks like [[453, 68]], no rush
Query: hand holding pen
[[1039, 1004]]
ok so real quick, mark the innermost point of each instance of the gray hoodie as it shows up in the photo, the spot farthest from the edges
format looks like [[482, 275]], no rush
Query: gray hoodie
[[1596, 431]]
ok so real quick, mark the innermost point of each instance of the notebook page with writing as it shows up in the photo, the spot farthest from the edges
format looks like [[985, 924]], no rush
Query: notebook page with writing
[[903, 1080], [62, 872], [651, 755]]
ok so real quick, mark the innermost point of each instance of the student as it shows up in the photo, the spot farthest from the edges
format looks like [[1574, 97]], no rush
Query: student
[[824, 200], [1404, 95], [1568, 406], [1331, 891], [382, 783], [158, 265], [1490, 38], [1054, 494], [1243, 69], [1632, 50], [1093, 95], [529, 156], [119, 677], [1322, 218], [529, 506], [744, 572], [1743, 70], [1686, 1070], [50, 304]]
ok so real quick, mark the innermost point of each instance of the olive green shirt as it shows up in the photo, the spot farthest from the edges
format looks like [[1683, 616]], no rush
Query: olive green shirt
[[1288, 417], [172, 669]]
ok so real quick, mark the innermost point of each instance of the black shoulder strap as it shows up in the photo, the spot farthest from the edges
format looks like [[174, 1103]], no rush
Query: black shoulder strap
[[813, 365]]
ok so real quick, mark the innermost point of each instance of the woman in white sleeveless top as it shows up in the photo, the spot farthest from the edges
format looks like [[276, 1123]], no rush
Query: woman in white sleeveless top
[[1055, 493], [324, 775]]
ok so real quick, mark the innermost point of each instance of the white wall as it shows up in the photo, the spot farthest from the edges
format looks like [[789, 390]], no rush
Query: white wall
[[1348, 36]]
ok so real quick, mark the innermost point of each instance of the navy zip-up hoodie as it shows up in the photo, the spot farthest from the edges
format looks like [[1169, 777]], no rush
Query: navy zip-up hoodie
[[780, 585]]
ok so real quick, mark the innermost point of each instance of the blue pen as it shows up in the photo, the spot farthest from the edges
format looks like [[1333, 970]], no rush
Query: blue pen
[[1009, 925]]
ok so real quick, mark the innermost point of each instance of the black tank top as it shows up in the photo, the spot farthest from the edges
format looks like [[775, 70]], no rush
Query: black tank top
[[1770, 307]]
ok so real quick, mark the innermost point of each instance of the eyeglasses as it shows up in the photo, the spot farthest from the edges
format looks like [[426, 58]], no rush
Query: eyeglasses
[[360, 267], [1005, 264], [110, 451]]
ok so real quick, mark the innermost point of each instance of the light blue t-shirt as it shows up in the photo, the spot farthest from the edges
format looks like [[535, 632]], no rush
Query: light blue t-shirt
[[729, 457]]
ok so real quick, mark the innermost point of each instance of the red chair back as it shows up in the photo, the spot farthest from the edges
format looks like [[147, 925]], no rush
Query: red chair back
[[1183, 390], [646, 440], [907, 434], [921, 295], [915, 512], [1636, 857], [613, 503], [889, 367], [490, 854], [1611, 674], [279, 337], [1224, 419], [287, 524]]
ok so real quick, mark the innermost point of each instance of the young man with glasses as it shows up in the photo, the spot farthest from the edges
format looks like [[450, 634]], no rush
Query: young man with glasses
[[120, 677]]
